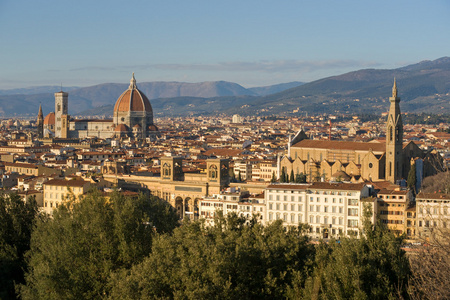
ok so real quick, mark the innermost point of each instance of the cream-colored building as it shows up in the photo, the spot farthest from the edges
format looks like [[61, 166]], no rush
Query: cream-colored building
[[231, 201], [56, 191], [433, 215], [330, 209]]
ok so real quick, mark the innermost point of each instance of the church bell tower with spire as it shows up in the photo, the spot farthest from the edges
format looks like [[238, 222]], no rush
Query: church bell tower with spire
[[394, 139], [40, 123]]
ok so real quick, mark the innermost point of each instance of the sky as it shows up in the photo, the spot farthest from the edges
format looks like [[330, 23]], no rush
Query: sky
[[252, 43]]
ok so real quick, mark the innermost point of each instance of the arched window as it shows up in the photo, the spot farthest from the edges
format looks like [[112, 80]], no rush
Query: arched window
[[391, 133], [213, 171], [166, 169]]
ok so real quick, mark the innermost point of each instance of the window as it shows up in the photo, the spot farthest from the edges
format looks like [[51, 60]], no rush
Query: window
[[285, 198], [352, 223], [333, 209], [270, 197], [292, 218], [325, 220], [278, 206], [341, 210], [292, 198], [285, 207], [353, 212], [318, 219], [300, 217], [270, 216], [318, 208], [270, 206], [334, 200], [353, 202], [311, 208], [311, 219], [325, 209], [300, 207], [292, 207]]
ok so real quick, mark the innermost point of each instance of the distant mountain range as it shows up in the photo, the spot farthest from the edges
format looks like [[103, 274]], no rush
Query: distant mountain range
[[99, 98], [423, 87]]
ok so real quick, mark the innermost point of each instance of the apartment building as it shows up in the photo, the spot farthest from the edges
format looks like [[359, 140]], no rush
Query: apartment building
[[233, 200], [330, 209], [58, 190], [433, 218], [391, 209]]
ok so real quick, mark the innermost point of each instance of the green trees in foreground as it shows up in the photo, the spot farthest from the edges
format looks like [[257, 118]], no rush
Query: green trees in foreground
[[231, 260], [126, 248], [372, 267], [17, 219], [74, 253]]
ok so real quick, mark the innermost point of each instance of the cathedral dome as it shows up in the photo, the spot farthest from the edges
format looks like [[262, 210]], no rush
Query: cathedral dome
[[133, 100], [50, 119]]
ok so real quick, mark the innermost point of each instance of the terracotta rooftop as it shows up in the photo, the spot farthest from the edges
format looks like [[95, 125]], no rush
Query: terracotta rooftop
[[63, 182], [433, 196], [341, 145]]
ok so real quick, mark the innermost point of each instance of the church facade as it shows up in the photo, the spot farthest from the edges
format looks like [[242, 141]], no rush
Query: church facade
[[132, 117], [324, 160]]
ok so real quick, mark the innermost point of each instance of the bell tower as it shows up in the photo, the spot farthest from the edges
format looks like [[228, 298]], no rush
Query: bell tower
[[61, 108], [394, 139], [40, 123]]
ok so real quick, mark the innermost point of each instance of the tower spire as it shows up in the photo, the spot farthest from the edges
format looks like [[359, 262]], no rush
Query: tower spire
[[394, 89], [132, 82], [40, 114]]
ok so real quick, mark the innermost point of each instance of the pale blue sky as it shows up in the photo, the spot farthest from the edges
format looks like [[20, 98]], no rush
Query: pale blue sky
[[253, 43]]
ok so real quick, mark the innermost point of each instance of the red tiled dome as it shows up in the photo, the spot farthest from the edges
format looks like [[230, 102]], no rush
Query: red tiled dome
[[133, 100], [50, 119]]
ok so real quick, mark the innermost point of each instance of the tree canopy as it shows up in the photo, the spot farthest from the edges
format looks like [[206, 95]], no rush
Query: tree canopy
[[233, 259], [74, 253], [17, 219]]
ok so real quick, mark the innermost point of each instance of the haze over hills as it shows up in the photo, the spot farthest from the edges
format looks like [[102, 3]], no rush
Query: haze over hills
[[81, 99], [423, 87]]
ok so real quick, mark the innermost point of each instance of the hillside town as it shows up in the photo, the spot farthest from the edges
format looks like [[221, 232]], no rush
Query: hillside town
[[319, 170]]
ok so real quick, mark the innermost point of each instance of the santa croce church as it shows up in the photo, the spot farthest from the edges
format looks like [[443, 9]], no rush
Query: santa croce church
[[132, 117], [323, 160]]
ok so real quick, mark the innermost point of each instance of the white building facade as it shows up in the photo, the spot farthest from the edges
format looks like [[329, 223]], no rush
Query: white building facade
[[330, 209]]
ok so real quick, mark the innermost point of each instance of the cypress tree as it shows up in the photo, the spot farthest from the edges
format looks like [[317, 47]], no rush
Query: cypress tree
[[412, 177]]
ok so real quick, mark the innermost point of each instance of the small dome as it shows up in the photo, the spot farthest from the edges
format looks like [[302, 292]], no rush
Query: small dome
[[133, 100], [50, 119], [152, 128], [121, 128]]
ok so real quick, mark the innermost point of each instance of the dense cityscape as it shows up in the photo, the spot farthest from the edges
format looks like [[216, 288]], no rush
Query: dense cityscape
[[327, 178]]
